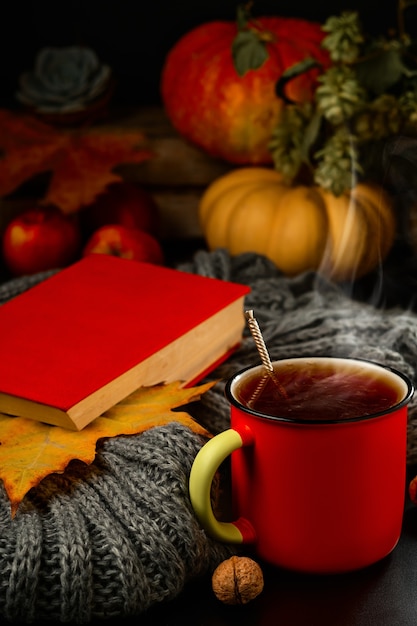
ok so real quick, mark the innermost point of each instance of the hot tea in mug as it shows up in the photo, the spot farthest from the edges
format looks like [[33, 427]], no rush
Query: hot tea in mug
[[316, 390], [318, 461]]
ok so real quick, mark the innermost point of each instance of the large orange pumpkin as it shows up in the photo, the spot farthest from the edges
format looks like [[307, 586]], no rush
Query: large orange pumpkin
[[228, 115], [299, 227]]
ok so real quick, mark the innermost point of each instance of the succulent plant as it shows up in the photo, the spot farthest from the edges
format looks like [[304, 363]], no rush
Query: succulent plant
[[64, 80]]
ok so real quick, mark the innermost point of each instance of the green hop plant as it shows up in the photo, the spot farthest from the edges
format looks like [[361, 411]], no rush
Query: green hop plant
[[366, 96], [344, 37], [339, 94], [288, 138], [338, 166]]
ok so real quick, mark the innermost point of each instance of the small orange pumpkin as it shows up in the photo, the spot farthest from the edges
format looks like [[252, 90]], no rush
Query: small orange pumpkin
[[299, 227]]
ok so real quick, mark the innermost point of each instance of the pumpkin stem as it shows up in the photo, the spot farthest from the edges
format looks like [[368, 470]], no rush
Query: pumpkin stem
[[292, 72], [249, 50], [243, 15]]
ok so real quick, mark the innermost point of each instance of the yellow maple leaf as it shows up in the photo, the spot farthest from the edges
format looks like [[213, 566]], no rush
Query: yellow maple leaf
[[31, 450]]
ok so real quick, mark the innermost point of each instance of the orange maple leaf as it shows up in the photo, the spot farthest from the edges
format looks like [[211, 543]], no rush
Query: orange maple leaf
[[27, 147], [81, 162], [31, 450]]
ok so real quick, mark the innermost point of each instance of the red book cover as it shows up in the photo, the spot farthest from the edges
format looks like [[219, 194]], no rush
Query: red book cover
[[82, 340]]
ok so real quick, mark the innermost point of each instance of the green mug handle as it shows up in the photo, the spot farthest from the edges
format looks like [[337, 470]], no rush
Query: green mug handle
[[205, 466]]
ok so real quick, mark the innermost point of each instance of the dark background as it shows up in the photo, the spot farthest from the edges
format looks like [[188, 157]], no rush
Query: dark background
[[134, 36]]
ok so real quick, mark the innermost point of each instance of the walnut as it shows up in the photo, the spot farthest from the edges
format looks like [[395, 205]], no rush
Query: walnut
[[237, 580]]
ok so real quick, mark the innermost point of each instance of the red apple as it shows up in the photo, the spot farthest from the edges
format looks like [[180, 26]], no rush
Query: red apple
[[122, 203], [40, 239], [129, 243]]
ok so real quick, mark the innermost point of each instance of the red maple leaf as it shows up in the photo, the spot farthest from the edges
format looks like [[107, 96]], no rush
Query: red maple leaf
[[81, 162]]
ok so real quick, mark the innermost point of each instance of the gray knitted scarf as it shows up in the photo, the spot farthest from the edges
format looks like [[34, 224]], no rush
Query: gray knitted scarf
[[307, 315], [119, 536]]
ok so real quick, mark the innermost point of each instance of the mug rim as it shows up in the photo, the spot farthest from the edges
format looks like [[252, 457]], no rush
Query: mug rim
[[290, 420]]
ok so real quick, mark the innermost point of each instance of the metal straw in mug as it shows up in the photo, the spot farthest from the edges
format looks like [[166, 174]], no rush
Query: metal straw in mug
[[265, 358]]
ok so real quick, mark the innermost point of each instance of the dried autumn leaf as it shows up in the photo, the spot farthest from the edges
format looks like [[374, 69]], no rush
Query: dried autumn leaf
[[84, 169], [30, 450], [80, 161], [27, 148]]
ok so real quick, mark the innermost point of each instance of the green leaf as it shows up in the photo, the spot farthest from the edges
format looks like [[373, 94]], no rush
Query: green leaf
[[311, 135], [380, 72], [248, 51]]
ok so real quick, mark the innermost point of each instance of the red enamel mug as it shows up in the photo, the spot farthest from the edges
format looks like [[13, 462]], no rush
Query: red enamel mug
[[319, 488]]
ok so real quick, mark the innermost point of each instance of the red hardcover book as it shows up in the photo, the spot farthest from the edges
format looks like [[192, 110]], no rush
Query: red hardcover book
[[83, 339]]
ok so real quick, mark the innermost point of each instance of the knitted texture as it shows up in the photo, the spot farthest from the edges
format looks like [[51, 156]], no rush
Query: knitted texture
[[110, 539], [305, 316], [17, 285], [119, 536]]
